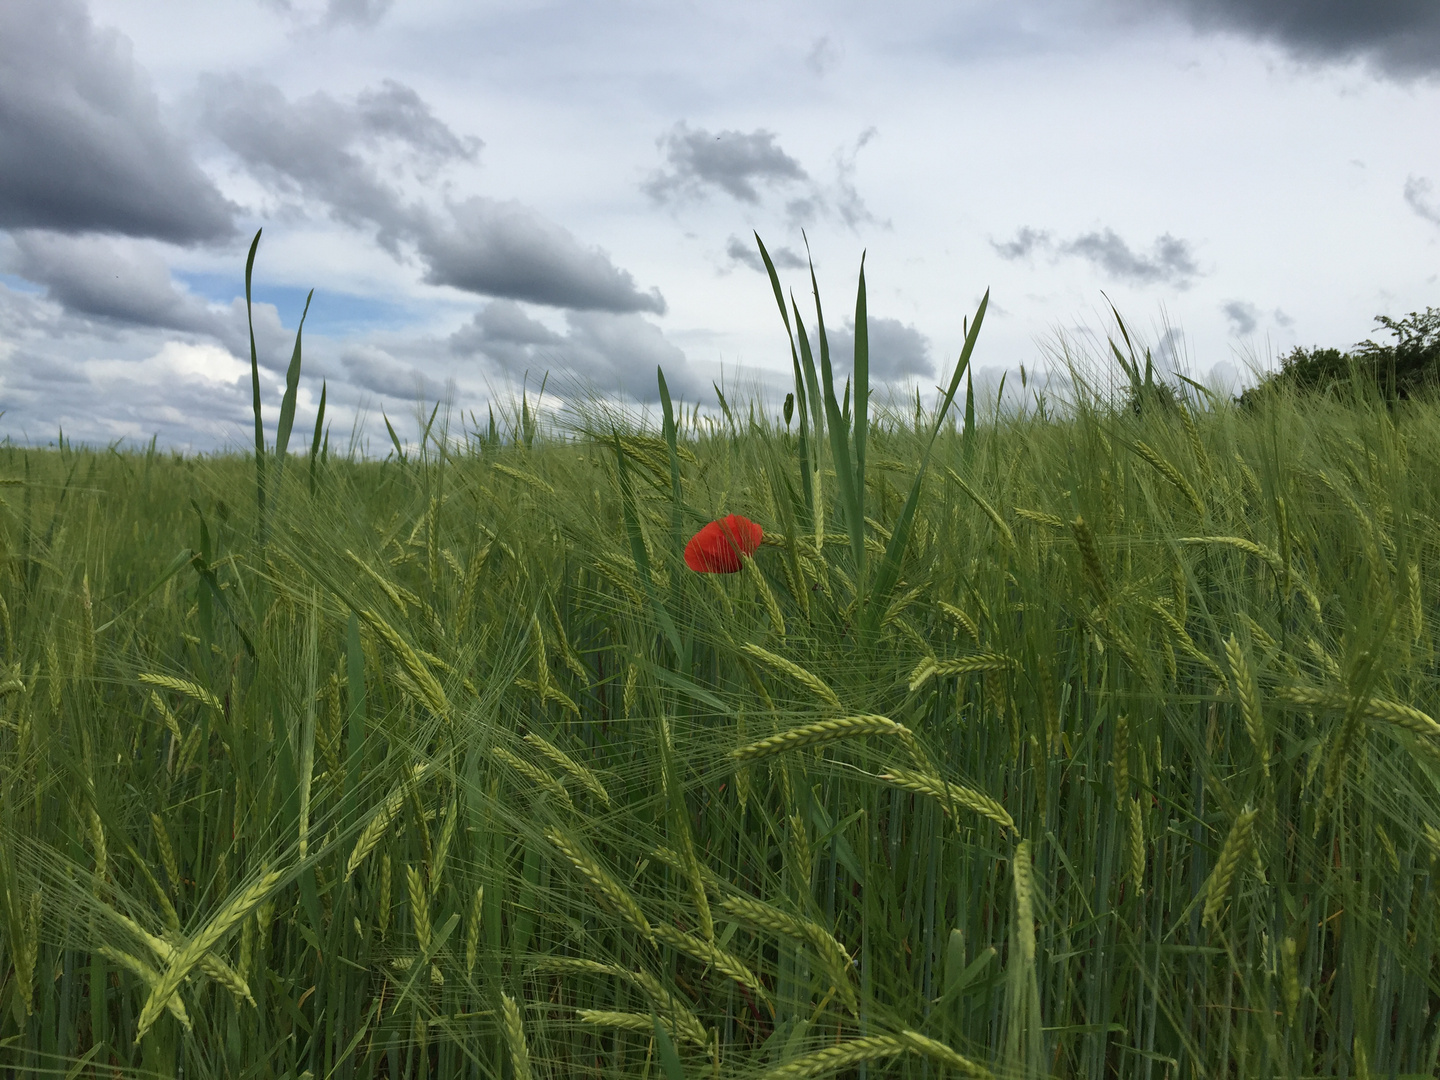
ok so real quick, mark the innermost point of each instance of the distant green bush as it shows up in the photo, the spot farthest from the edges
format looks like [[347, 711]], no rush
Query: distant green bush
[[1400, 369]]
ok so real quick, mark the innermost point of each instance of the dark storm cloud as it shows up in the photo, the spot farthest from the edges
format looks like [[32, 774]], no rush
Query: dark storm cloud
[[508, 250], [84, 148], [897, 350], [1418, 194], [1397, 37], [745, 251], [1243, 317], [1169, 262], [732, 161], [94, 278], [325, 150], [603, 350], [105, 286]]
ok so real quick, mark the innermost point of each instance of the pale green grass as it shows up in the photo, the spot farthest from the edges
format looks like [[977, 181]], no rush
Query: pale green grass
[[1203, 669]]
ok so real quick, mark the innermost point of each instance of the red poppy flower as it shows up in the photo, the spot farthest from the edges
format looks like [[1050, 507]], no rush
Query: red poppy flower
[[716, 549]]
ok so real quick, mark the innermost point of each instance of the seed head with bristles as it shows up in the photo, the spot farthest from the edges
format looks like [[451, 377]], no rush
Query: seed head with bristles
[[610, 890], [1247, 692], [514, 1029], [1236, 847], [807, 679], [822, 731]]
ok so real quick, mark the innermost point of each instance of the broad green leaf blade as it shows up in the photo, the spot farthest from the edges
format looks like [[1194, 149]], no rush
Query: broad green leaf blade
[[394, 439], [967, 443], [315, 442], [806, 482], [670, 443], [888, 572], [812, 387], [666, 1052], [809, 468], [725, 408], [425, 431], [677, 519], [292, 388], [861, 371], [851, 501], [255, 390]]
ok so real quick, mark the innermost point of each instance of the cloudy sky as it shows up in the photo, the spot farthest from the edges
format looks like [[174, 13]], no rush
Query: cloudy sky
[[483, 192]]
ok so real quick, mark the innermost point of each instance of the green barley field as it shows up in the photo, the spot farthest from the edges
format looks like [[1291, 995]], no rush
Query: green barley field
[[1093, 740]]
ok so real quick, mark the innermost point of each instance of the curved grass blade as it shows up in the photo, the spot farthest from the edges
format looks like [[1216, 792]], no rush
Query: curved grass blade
[[888, 572]]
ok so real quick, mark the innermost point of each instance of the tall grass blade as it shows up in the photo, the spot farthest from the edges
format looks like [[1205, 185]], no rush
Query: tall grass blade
[[888, 572], [255, 392], [315, 442], [292, 389]]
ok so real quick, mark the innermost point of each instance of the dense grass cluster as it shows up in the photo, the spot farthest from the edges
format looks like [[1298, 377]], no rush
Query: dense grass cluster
[[454, 769]]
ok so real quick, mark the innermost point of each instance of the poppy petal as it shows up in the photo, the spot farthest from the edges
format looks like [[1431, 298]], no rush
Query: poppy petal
[[717, 548]]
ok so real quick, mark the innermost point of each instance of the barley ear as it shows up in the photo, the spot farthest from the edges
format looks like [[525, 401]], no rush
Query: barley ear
[[818, 733], [1090, 559], [472, 930], [1024, 874], [807, 679], [515, 1037], [1236, 846], [1289, 977], [240, 905], [419, 907], [1137, 845], [610, 890], [1120, 759], [579, 771], [840, 1056], [1247, 692], [941, 1054]]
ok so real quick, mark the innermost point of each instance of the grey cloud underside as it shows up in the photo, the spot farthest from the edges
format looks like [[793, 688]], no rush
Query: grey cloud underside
[[732, 161], [84, 146], [605, 351], [94, 278], [897, 350], [740, 164], [1419, 195], [1026, 241], [113, 286], [1170, 260], [1398, 37], [506, 249], [1243, 317], [748, 254], [363, 13], [378, 370], [324, 150]]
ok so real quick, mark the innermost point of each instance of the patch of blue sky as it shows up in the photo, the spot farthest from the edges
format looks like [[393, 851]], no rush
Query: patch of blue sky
[[332, 314], [18, 284]]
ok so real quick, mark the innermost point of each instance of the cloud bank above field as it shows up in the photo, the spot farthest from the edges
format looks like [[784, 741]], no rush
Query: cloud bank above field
[[1400, 38], [83, 147], [481, 194]]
